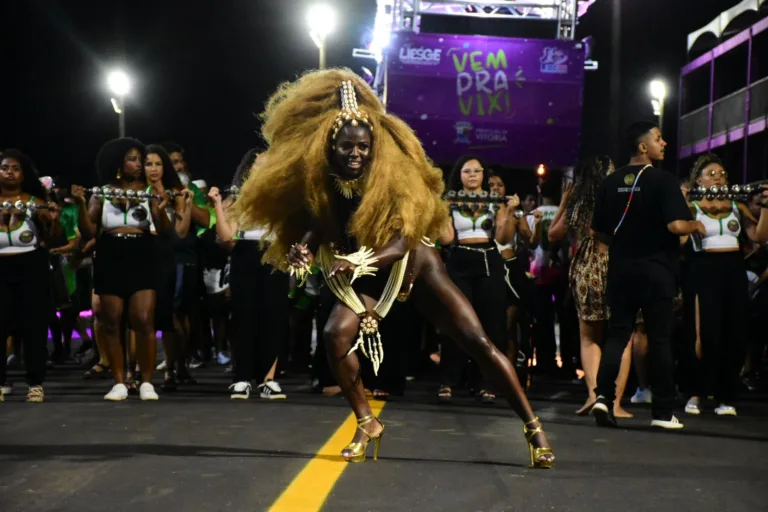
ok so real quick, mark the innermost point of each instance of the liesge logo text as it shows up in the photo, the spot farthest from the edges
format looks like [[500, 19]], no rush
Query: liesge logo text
[[420, 56]]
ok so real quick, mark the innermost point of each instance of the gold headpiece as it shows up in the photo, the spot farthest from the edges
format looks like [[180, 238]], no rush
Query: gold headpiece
[[349, 113]]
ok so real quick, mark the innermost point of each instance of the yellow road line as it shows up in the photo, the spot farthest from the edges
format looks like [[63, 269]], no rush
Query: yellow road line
[[311, 487]]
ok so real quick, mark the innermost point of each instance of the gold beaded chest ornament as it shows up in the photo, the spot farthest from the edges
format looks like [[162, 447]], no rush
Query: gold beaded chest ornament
[[350, 114]]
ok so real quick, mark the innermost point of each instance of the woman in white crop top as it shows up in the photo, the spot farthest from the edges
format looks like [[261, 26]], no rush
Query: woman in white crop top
[[25, 293], [124, 267], [476, 267], [718, 289], [258, 294]]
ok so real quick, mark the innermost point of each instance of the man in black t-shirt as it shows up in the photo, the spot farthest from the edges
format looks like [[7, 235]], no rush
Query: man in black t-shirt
[[640, 213]]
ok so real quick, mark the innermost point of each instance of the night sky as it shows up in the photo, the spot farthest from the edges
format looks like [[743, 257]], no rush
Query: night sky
[[204, 69]]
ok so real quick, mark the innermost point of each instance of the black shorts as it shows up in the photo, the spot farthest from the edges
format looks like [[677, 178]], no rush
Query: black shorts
[[124, 266]]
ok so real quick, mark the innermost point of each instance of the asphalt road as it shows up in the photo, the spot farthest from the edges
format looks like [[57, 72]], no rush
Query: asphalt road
[[196, 450]]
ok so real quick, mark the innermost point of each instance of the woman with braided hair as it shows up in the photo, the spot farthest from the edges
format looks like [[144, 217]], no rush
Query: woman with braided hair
[[349, 187], [588, 274]]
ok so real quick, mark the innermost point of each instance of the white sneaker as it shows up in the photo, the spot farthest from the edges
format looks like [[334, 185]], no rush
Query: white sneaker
[[118, 393], [240, 390], [642, 396], [672, 424], [223, 359], [692, 407], [147, 392], [6, 389], [725, 410], [162, 366], [271, 390]]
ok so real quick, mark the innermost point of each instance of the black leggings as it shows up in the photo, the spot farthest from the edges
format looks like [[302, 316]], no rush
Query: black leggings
[[25, 308], [260, 311], [480, 277], [719, 280]]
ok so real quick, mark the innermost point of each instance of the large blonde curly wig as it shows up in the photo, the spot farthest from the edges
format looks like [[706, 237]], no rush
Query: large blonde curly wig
[[290, 192]]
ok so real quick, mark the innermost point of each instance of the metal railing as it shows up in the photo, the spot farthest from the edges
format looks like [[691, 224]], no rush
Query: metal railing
[[728, 113], [407, 13]]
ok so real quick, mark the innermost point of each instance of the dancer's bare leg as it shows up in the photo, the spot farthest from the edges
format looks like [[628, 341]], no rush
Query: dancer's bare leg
[[591, 334], [339, 335], [441, 302]]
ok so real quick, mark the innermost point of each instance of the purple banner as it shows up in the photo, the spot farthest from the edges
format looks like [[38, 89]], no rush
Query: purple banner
[[514, 102]]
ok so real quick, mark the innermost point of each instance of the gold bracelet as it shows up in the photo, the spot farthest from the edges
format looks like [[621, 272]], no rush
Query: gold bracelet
[[301, 272]]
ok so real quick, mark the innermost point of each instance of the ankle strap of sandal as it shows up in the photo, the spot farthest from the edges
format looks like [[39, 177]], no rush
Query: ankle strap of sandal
[[534, 420], [365, 420]]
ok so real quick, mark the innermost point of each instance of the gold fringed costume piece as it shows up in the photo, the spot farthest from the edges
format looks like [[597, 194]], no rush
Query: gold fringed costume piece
[[348, 188], [362, 260], [302, 273], [369, 338]]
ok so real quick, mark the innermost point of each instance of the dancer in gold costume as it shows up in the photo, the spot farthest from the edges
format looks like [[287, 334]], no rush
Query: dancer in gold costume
[[347, 187]]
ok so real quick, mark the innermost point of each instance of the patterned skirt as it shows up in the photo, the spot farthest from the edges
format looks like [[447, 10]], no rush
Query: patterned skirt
[[588, 279]]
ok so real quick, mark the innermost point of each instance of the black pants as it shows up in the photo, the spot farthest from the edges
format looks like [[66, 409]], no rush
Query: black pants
[[719, 280], [520, 294], [544, 328], [260, 311], [485, 288], [634, 285], [25, 308]]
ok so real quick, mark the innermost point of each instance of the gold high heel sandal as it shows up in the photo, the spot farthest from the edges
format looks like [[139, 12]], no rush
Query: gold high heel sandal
[[536, 453], [358, 448]]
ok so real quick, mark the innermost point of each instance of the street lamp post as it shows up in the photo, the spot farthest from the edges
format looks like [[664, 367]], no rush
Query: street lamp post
[[321, 19], [119, 85], [658, 95]]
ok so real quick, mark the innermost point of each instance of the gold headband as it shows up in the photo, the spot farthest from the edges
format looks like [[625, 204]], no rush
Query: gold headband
[[349, 113]]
